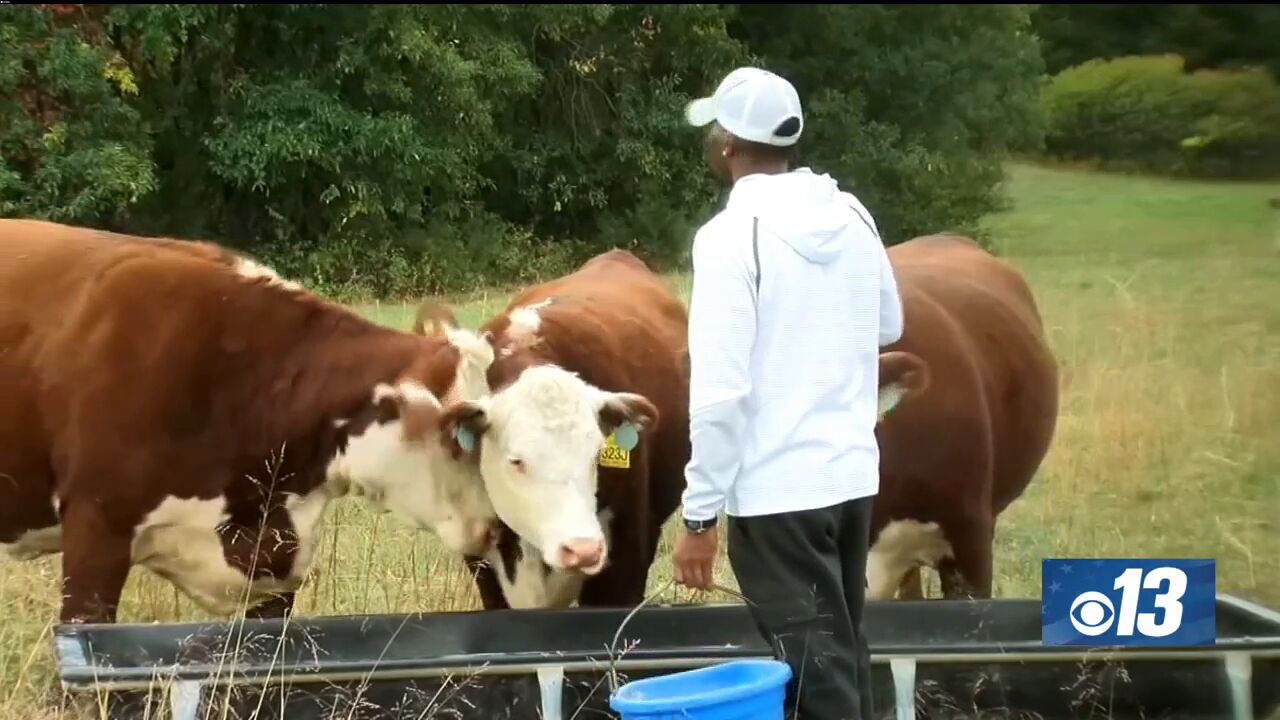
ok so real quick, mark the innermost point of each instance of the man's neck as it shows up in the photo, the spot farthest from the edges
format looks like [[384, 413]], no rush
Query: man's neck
[[761, 168]]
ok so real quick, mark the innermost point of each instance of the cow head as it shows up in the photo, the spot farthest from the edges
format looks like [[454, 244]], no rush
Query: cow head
[[396, 454], [538, 441], [526, 581], [902, 375]]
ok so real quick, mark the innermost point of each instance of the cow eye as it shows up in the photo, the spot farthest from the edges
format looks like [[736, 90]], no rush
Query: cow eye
[[516, 463]]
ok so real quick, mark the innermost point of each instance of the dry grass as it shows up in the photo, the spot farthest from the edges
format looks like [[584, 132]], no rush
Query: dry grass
[[1163, 300]]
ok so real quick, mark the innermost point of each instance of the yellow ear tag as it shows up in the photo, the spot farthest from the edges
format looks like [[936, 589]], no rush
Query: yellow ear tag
[[617, 454]]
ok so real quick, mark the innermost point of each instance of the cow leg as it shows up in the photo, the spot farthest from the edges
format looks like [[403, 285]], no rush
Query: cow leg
[[912, 587], [487, 584], [621, 585], [633, 543], [624, 579], [278, 606], [968, 575], [95, 564]]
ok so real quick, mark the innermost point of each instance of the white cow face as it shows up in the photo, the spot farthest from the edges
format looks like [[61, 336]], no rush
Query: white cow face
[[403, 464], [539, 441]]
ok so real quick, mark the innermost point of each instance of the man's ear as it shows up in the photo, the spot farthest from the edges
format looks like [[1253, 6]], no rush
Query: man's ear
[[462, 425], [627, 413], [902, 375]]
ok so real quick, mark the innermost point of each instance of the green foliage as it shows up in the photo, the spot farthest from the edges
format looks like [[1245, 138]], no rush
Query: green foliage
[[1148, 113], [1208, 36], [600, 153], [70, 146], [323, 129], [914, 107], [395, 150]]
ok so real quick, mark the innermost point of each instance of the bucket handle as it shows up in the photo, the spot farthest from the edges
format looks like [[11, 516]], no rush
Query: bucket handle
[[778, 653]]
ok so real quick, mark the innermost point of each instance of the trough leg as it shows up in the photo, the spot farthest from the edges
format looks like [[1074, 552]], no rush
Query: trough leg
[[184, 702], [95, 564], [1239, 667], [551, 691], [904, 687]]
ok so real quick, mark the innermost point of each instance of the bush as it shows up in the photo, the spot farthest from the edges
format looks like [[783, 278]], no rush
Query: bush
[[382, 150], [442, 257], [1211, 35], [71, 146], [1147, 113], [915, 108]]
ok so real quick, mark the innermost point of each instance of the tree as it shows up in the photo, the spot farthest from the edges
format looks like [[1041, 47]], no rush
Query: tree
[[394, 150], [70, 145], [915, 107], [1207, 36]]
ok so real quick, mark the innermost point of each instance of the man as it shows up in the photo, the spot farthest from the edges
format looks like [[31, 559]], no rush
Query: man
[[792, 299]]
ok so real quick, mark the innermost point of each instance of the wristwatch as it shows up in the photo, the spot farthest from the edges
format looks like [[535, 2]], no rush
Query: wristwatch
[[697, 527]]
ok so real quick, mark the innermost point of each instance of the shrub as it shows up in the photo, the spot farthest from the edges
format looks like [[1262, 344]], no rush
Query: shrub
[[381, 150], [1147, 113], [441, 257], [71, 145], [914, 108]]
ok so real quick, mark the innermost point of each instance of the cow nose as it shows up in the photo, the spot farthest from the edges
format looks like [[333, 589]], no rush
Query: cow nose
[[584, 555]]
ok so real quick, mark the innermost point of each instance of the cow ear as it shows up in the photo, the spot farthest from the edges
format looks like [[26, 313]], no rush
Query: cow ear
[[902, 375], [462, 425], [411, 403], [628, 414]]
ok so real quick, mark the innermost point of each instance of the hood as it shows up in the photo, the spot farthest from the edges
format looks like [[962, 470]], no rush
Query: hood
[[808, 211]]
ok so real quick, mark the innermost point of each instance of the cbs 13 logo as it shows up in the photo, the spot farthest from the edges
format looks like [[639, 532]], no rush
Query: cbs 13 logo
[[1129, 602], [1092, 613]]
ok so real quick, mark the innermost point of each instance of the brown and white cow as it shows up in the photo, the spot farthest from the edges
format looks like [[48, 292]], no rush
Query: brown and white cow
[[576, 359], [970, 415], [173, 406]]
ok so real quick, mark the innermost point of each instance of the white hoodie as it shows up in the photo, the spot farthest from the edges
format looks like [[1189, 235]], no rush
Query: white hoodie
[[783, 397]]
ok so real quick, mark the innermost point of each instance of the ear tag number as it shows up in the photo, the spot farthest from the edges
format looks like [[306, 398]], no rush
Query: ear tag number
[[466, 439], [616, 452]]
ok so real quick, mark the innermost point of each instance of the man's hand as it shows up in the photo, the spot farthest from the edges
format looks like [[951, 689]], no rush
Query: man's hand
[[695, 559]]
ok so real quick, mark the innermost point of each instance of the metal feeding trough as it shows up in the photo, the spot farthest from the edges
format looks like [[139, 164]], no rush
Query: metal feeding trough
[[936, 659]]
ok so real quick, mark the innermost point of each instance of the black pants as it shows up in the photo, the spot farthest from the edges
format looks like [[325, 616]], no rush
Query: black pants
[[805, 576]]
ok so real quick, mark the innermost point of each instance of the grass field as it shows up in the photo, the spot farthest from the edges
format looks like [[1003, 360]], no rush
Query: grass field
[[1163, 300]]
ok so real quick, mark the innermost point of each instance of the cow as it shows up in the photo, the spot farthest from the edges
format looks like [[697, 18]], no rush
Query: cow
[[968, 418], [170, 405], [581, 362]]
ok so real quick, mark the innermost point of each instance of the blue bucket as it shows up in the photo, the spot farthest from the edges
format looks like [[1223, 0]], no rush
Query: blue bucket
[[737, 690]]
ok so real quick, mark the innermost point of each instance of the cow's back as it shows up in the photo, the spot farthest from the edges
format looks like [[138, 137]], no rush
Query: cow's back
[[996, 337], [127, 335], [46, 276], [619, 326], [619, 296]]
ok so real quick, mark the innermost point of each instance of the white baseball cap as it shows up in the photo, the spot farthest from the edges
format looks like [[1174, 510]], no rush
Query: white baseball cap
[[751, 104]]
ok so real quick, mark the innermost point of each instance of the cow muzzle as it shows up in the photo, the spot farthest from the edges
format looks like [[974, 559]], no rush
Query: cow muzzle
[[584, 555]]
